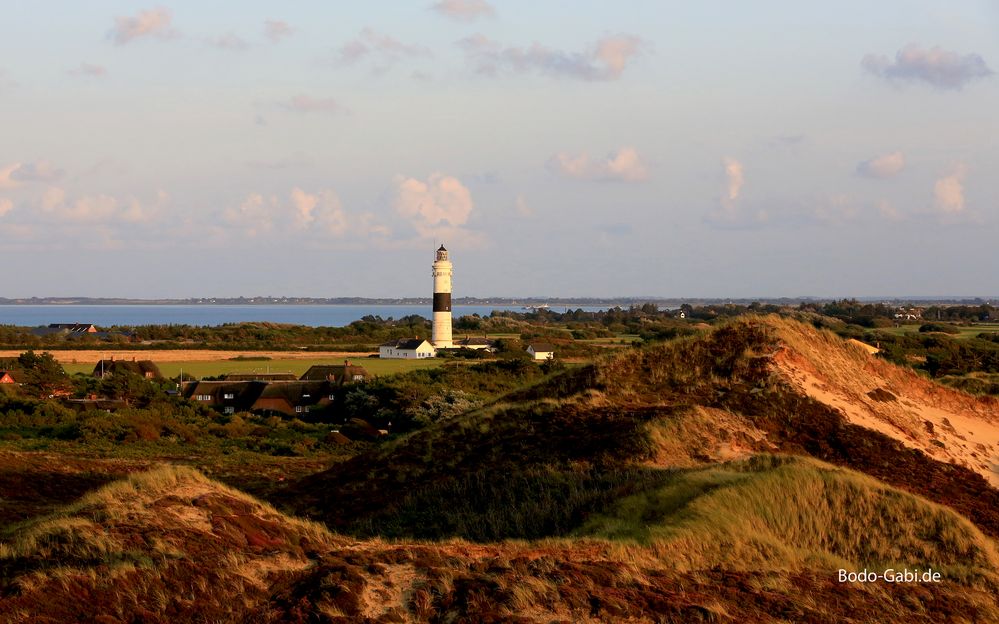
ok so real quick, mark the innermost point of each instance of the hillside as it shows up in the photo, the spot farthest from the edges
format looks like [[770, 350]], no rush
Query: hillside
[[573, 442], [748, 541], [946, 424]]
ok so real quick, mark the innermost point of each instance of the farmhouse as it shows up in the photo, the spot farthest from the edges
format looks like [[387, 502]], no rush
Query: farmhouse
[[541, 350], [338, 374], [407, 349], [142, 368], [75, 328], [474, 343], [290, 398]]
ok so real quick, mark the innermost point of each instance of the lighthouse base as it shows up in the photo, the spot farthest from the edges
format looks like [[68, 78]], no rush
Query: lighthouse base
[[441, 333]]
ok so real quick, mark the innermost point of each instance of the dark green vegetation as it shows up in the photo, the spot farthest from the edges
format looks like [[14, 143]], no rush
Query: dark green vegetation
[[938, 354]]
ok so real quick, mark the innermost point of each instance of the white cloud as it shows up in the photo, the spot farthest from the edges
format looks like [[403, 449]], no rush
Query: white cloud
[[6, 205], [15, 174], [940, 68], [734, 179], [309, 104], [436, 208], [605, 60], [52, 198], [948, 192], [99, 208], [7, 180], [884, 166], [380, 48], [254, 215], [150, 23], [624, 165], [276, 30], [89, 70], [464, 10], [314, 215], [322, 210], [729, 213], [39, 171], [523, 208]]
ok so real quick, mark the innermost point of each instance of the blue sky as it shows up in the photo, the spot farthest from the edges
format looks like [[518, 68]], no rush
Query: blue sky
[[596, 148]]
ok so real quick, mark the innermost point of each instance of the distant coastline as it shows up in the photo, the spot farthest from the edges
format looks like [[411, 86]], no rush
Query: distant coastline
[[481, 301]]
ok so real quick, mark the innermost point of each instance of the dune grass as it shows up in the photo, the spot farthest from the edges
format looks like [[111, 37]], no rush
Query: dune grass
[[780, 512]]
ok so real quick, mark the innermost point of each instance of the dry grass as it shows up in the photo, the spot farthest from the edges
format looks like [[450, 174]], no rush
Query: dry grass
[[778, 513]]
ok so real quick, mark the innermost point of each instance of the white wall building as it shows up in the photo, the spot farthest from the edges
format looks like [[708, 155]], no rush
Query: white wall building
[[541, 351], [410, 349]]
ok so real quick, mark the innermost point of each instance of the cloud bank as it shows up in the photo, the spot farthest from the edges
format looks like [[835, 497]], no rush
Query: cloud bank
[[624, 165], [464, 10], [937, 67], [884, 166], [154, 23], [605, 60], [380, 48], [948, 192]]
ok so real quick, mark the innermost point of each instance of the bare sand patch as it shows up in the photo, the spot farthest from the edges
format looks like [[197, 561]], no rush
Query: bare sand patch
[[944, 423]]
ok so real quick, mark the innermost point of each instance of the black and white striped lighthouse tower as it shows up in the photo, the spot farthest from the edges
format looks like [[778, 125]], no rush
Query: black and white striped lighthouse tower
[[441, 336]]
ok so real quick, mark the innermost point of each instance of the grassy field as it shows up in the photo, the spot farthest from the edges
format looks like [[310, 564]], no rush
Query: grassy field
[[199, 369], [965, 331]]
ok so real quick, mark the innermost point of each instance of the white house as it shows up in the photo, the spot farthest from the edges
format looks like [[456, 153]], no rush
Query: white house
[[407, 349], [541, 350]]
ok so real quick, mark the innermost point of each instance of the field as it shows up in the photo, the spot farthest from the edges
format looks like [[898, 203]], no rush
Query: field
[[965, 331], [203, 368]]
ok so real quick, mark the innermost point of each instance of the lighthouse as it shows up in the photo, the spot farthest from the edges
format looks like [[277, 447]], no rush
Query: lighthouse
[[441, 336]]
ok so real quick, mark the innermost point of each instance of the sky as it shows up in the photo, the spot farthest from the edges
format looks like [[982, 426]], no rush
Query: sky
[[565, 149]]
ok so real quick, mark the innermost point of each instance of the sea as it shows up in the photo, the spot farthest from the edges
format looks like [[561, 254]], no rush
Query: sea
[[315, 315]]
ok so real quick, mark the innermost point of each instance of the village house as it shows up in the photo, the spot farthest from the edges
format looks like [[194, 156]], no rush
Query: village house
[[407, 349], [290, 398], [478, 344], [75, 328], [65, 329], [142, 368], [339, 374], [541, 351], [77, 331]]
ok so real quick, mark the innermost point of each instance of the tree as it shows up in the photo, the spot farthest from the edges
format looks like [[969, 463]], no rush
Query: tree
[[41, 375]]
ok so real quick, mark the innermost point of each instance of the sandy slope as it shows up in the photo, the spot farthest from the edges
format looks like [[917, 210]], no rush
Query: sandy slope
[[946, 424]]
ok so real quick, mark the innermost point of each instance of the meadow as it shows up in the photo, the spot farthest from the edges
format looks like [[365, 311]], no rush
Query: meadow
[[964, 332], [201, 368]]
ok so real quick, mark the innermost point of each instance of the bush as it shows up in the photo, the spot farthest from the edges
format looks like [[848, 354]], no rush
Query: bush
[[938, 327]]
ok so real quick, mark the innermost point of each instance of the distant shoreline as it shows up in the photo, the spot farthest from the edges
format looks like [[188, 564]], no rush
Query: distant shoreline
[[477, 301]]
